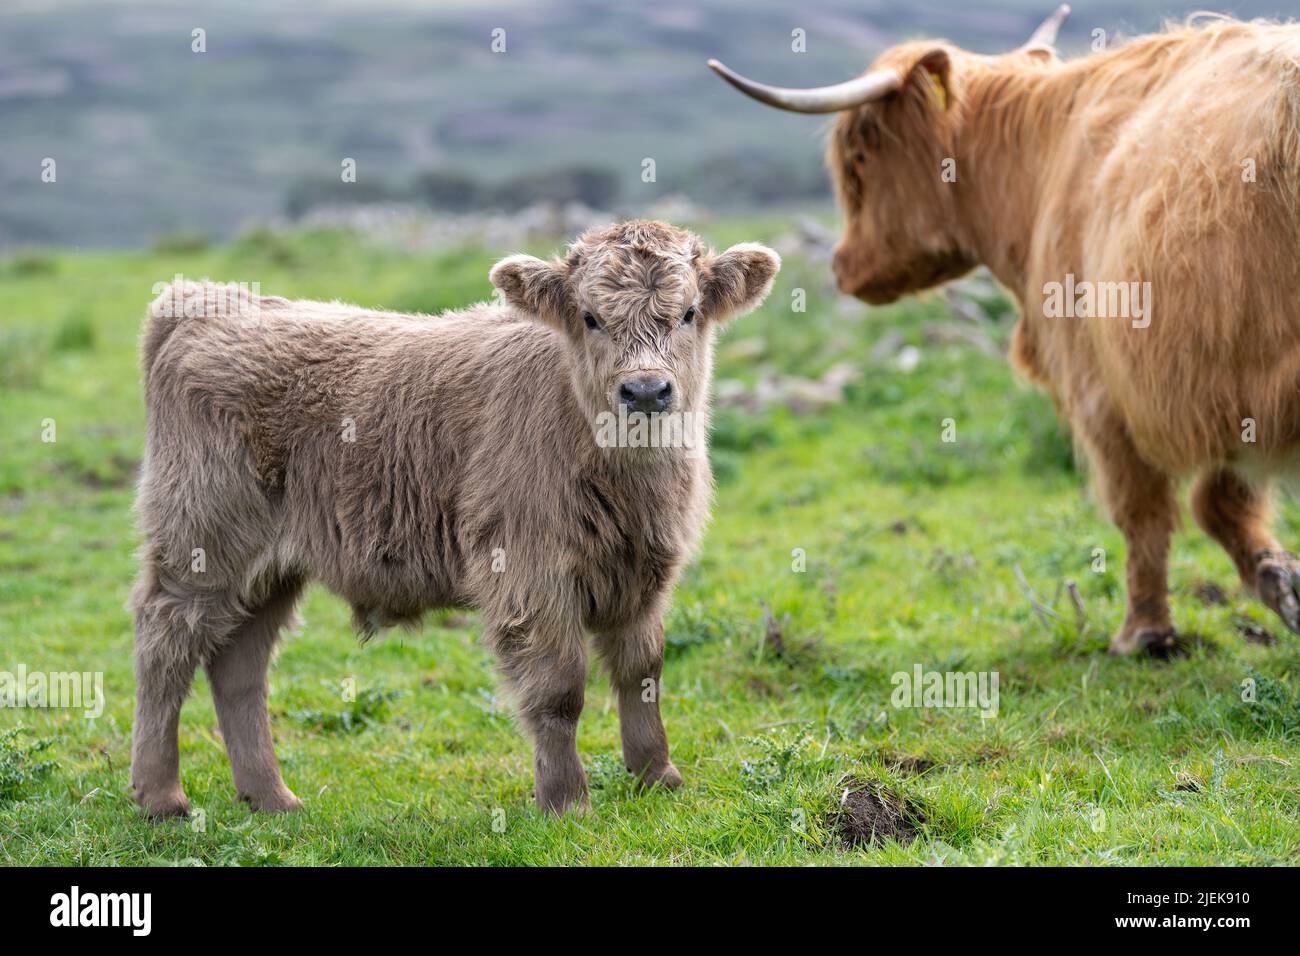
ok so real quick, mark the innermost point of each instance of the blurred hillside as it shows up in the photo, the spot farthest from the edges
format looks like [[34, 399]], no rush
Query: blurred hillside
[[151, 138]]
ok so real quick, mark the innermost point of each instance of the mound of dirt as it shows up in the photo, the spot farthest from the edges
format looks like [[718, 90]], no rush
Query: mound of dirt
[[869, 815]]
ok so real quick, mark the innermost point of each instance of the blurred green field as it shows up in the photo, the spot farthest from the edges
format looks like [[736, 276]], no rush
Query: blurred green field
[[911, 546], [151, 137]]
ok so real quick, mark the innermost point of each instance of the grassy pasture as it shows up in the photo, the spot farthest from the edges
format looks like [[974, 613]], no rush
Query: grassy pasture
[[908, 545]]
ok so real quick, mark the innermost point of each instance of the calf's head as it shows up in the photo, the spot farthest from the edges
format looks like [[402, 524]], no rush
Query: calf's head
[[892, 156], [638, 304]]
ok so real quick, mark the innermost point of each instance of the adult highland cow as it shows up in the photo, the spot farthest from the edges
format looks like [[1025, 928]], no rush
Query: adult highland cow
[[1141, 205]]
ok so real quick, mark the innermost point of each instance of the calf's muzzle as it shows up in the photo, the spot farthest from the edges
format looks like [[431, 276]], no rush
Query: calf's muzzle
[[646, 393]]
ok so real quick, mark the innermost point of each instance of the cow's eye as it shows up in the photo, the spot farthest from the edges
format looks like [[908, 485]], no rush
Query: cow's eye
[[689, 317], [590, 321]]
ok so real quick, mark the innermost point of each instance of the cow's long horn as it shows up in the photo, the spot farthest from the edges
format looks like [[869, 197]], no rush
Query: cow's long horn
[[820, 99], [1046, 33]]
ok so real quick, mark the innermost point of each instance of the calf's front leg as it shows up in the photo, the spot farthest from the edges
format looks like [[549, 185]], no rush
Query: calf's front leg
[[635, 660], [546, 672]]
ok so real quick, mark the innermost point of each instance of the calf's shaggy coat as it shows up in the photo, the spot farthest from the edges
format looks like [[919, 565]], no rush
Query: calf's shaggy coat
[[1169, 166], [413, 462]]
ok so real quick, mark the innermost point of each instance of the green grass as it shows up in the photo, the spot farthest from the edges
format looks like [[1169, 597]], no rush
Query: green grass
[[910, 545]]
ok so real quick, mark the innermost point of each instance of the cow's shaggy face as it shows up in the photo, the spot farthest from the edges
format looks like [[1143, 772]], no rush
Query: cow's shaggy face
[[892, 162], [638, 304]]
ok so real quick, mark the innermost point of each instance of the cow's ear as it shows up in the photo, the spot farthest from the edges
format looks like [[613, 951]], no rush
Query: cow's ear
[[930, 79], [737, 280], [534, 286]]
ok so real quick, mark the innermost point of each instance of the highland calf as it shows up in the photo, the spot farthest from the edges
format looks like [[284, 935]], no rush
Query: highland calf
[[1159, 179], [415, 462]]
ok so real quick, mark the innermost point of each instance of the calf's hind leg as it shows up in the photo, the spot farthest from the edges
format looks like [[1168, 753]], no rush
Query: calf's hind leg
[[1236, 514], [237, 670], [175, 625]]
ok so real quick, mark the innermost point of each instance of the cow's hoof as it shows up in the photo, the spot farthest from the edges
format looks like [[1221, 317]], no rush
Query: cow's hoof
[[667, 776], [1160, 643], [1275, 580], [163, 804], [280, 800]]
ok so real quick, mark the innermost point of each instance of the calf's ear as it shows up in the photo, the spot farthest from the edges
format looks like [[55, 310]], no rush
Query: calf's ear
[[534, 286], [736, 281]]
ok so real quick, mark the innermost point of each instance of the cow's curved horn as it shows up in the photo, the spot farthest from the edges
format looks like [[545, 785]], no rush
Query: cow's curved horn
[[820, 99], [1046, 33]]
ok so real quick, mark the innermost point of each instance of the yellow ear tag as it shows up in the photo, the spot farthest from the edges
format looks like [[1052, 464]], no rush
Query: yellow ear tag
[[940, 94]]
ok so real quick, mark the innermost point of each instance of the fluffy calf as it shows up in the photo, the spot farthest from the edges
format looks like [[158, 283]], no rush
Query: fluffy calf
[[415, 462]]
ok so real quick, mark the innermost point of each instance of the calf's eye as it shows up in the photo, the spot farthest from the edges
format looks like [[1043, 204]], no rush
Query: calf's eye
[[590, 320], [689, 317]]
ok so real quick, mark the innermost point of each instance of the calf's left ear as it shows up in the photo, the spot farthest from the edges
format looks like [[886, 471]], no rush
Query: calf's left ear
[[533, 286], [737, 280]]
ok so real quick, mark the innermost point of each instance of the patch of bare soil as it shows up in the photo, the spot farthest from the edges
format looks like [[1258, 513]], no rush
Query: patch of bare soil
[[869, 815], [1177, 646], [1254, 633], [1210, 594], [119, 472], [910, 764]]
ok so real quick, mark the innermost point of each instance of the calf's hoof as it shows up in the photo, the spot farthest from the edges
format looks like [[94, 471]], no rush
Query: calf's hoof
[[562, 791], [280, 800], [1161, 643], [666, 776], [1276, 581], [558, 806], [164, 803]]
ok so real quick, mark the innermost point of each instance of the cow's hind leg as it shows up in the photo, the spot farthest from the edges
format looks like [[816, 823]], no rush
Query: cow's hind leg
[[1236, 513], [176, 624], [237, 670], [1142, 503]]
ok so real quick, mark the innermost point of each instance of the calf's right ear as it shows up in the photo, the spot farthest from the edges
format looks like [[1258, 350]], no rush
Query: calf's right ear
[[738, 280], [534, 286]]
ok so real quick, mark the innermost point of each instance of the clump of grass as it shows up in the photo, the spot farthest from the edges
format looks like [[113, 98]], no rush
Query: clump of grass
[[181, 243], [76, 333], [21, 763], [370, 707], [30, 263], [779, 753], [606, 772], [694, 625], [22, 355], [1273, 710], [265, 246]]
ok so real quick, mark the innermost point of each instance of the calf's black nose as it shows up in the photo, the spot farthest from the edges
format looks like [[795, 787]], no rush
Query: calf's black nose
[[646, 394]]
